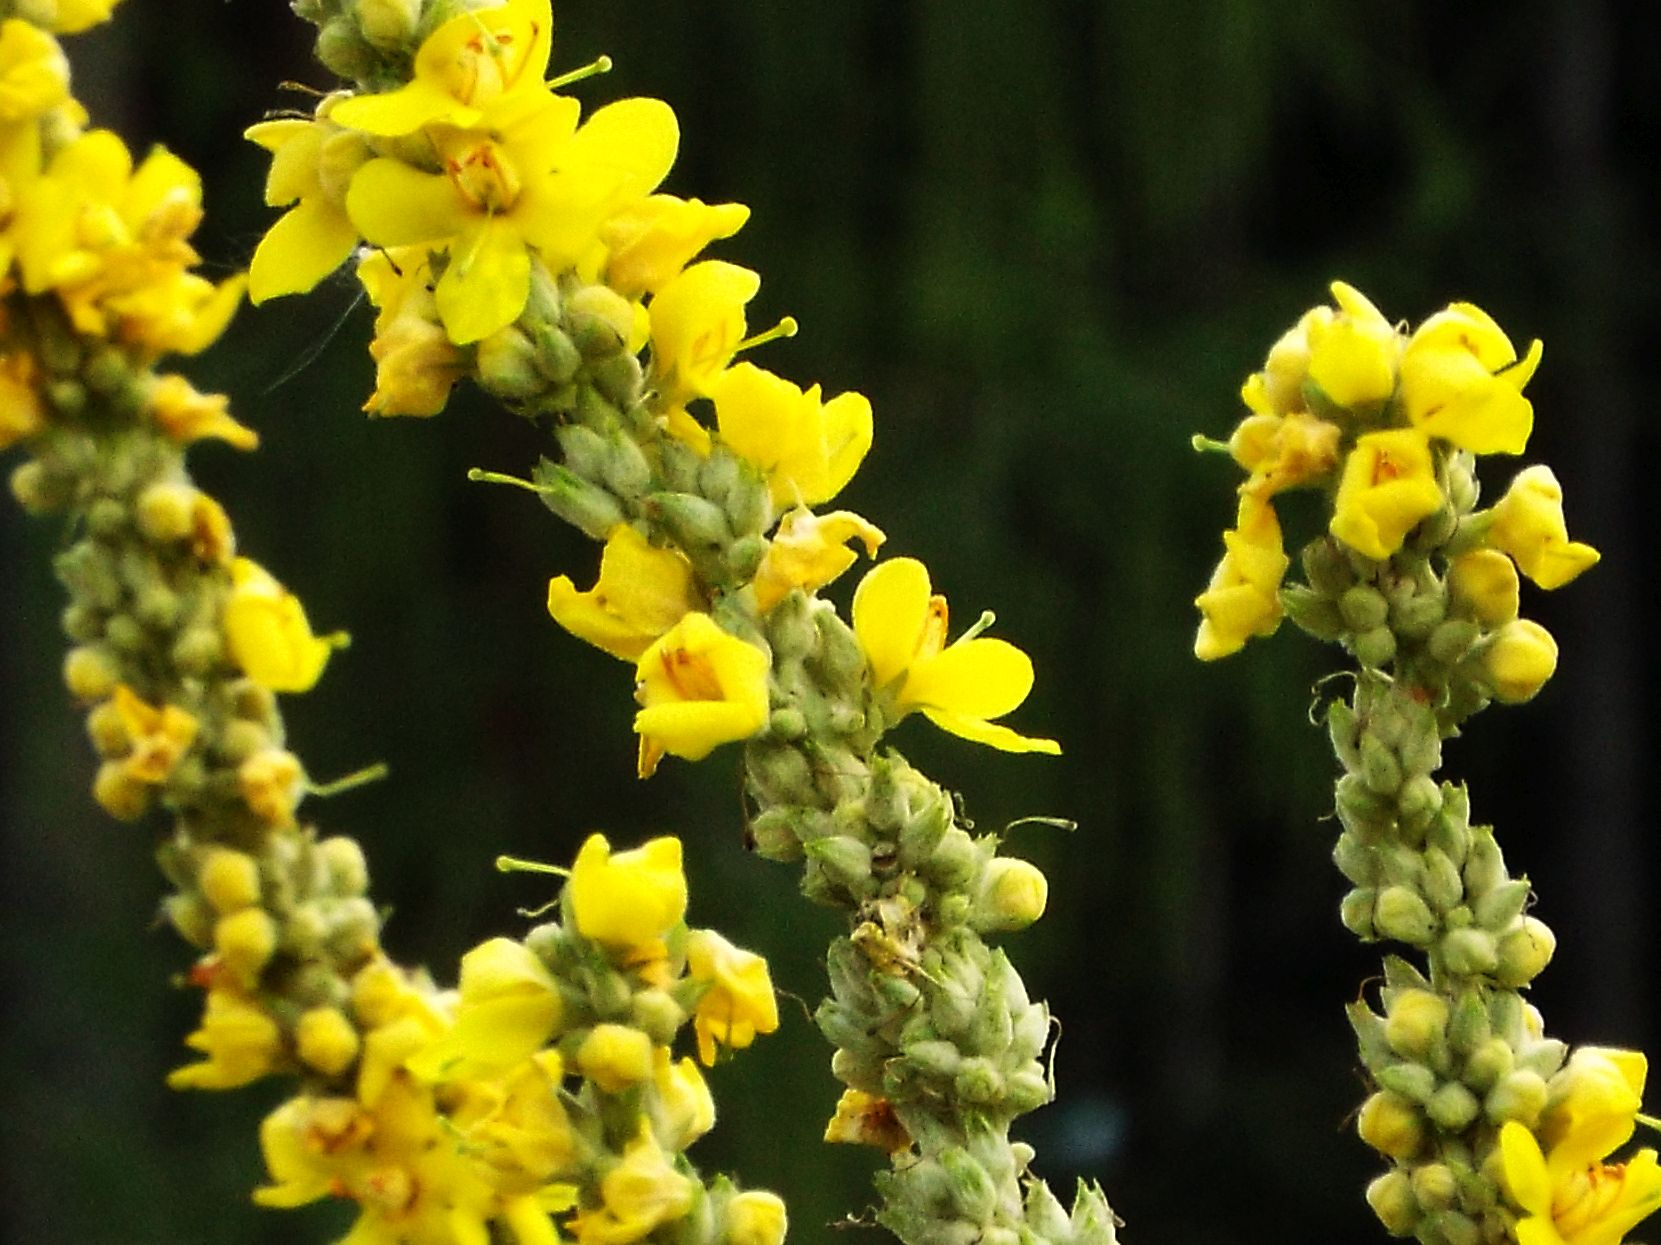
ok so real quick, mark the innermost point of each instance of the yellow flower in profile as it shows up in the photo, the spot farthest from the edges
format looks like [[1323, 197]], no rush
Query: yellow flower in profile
[[267, 633], [509, 1006], [1243, 597], [697, 323], [1352, 355], [629, 900], [22, 414], [186, 415], [242, 1043], [650, 242], [1571, 1195], [475, 61], [1388, 485], [1284, 451], [1461, 381], [901, 625], [534, 181], [640, 1194], [807, 449], [809, 551], [158, 735], [312, 163], [681, 1108], [1529, 525], [642, 591], [700, 687], [739, 1002]]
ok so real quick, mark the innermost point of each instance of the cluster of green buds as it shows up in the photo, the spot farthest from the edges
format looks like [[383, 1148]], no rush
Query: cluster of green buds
[[538, 262], [1494, 1130]]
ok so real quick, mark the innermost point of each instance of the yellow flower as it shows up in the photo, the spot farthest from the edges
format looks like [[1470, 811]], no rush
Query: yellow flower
[[242, 1043], [640, 1194], [902, 628], [326, 1040], [756, 1217], [1529, 525], [473, 62], [186, 415], [697, 322], [1483, 584], [615, 1057], [1461, 381], [1352, 355], [22, 414], [864, 1119], [519, 1127], [1243, 597], [70, 17], [700, 687], [536, 181], [416, 363], [267, 633], [159, 735], [34, 74], [1278, 388], [312, 163], [629, 900], [642, 592], [807, 449], [809, 551], [1519, 660], [1572, 1197], [681, 1107], [1284, 451], [648, 243], [272, 783], [509, 1007], [739, 1002], [1388, 485]]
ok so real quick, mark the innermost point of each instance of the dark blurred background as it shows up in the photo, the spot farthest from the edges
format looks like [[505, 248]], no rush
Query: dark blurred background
[[1048, 240]]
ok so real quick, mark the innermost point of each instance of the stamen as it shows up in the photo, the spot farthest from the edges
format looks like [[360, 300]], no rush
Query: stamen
[[986, 619], [595, 67], [480, 476], [360, 778], [1648, 1121], [784, 328], [515, 864]]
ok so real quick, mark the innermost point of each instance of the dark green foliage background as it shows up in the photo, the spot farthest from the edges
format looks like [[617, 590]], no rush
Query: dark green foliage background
[[1048, 240]]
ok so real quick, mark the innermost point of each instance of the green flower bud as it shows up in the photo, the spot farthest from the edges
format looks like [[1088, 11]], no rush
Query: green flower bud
[[1496, 910], [934, 1058], [583, 449], [1417, 1021], [921, 834], [1524, 952], [1376, 648], [583, 505], [1470, 952], [1486, 1065], [972, 1191], [191, 917], [1313, 613], [1457, 1228], [1412, 1082], [1484, 863], [773, 835], [1443, 886], [1543, 1055], [507, 365], [1363, 608], [618, 378], [1452, 640], [857, 1072], [1469, 1027], [1392, 1199], [557, 356], [1027, 1091], [954, 861], [1011, 896], [1379, 768], [1358, 807], [1045, 1216], [1518, 1095], [1453, 1107], [91, 672], [695, 523], [745, 555], [198, 651], [348, 871], [1402, 915], [624, 467], [1354, 859], [1391, 1125], [1434, 1186], [846, 861], [1345, 733], [1417, 616], [779, 774], [126, 635], [1358, 910], [978, 1082]]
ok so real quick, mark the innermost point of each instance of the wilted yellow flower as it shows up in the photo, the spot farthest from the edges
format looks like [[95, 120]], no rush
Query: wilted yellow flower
[[642, 592], [416, 363], [700, 687], [739, 1002], [272, 782], [1483, 584], [1529, 525], [1243, 598], [1519, 660], [242, 1043], [1352, 355], [807, 449], [537, 181], [267, 633], [697, 322], [866, 1120], [186, 415], [809, 551], [475, 62], [1278, 388], [628, 900], [158, 735], [641, 1193], [312, 163], [1572, 1197], [648, 243], [902, 626], [1388, 485], [1284, 451], [1461, 381]]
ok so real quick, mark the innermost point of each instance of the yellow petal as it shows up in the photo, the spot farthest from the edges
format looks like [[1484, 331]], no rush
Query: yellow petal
[[692, 729], [392, 204], [402, 111], [486, 284], [303, 247], [991, 734], [1525, 1169], [891, 607], [847, 439], [635, 140], [978, 678]]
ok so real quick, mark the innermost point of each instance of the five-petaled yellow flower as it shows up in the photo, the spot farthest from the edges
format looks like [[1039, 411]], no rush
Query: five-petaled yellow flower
[[901, 625], [739, 1002], [1461, 380], [807, 449], [1388, 486]]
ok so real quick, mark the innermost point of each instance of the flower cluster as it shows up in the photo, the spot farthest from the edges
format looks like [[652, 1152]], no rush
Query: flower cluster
[[1387, 423]]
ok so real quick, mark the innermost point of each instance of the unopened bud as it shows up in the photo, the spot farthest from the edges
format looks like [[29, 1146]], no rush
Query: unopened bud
[[1011, 897], [1496, 910], [1484, 863], [192, 918], [1452, 1107], [1457, 1228], [1486, 1065], [90, 672], [230, 880], [1484, 586], [1402, 915], [119, 794], [1412, 1082], [1380, 769], [1417, 616], [954, 860], [167, 511], [972, 1190], [507, 365], [1435, 1186], [1391, 1197], [1375, 648], [1518, 1095], [1364, 608], [1469, 1027], [1391, 1125], [388, 24], [1524, 952], [1470, 952], [348, 871], [1519, 660], [1357, 912], [1443, 886], [601, 320], [615, 1057], [326, 1040], [1417, 1021], [755, 1217], [846, 861], [694, 522], [245, 940]]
